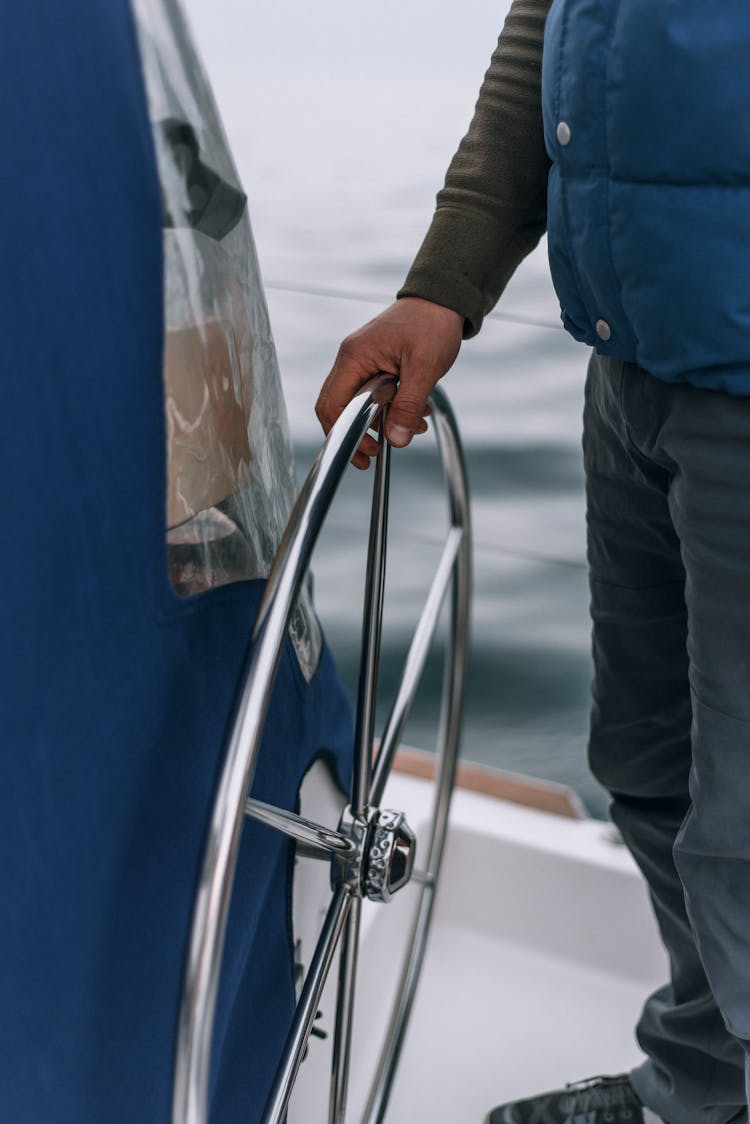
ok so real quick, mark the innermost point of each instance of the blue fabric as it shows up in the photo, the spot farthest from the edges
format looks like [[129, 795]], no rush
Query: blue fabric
[[115, 694], [649, 203]]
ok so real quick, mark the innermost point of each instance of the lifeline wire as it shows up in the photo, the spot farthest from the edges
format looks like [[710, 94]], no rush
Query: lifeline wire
[[375, 298]]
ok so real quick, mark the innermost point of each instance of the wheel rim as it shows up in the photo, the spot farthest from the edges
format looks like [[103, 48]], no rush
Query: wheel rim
[[370, 850]]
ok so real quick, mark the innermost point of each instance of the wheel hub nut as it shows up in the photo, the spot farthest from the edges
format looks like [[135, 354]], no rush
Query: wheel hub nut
[[390, 855]]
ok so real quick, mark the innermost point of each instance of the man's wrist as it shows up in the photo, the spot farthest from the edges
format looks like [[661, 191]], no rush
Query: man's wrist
[[443, 291]]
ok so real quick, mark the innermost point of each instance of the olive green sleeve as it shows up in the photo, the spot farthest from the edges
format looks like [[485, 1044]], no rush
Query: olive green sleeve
[[492, 210]]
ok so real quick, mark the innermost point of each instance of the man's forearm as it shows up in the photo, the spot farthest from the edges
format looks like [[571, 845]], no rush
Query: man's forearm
[[492, 210]]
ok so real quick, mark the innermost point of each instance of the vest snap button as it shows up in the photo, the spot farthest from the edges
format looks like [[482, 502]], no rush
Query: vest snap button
[[603, 330], [563, 133]]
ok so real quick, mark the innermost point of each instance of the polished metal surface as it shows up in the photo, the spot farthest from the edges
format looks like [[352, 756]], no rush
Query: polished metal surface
[[372, 851], [307, 1007], [391, 851], [190, 1091], [422, 878], [372, 620], [455, 666], [342, 1040], [414, 665], [318, 840], [457, 644], [346, 869]]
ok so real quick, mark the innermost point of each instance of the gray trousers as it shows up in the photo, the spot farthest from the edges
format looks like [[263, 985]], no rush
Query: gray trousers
[[668, 490]]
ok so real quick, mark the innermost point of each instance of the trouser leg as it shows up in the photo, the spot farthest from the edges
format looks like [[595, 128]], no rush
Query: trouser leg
[[640, 745], [706, 437]]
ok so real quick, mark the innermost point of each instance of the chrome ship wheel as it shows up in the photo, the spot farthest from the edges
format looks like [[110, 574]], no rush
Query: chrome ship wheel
[[372, 850]]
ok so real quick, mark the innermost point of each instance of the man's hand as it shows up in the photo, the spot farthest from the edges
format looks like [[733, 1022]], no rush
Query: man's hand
[[414, 339]]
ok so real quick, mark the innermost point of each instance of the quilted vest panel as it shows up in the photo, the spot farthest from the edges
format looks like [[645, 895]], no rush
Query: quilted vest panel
[[646, 122]]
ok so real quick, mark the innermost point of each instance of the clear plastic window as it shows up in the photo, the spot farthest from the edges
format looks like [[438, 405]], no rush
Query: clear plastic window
[[230, 483]]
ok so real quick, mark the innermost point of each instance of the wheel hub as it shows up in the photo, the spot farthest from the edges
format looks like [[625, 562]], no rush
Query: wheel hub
[[389, 861], [384, 857]]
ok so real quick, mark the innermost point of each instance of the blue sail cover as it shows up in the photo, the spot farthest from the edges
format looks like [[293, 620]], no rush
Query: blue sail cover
[[116, 691]]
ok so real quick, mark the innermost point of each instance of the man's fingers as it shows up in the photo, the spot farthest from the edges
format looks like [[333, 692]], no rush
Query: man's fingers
[[369, 446], [359, 460], [415, 340], [407, 410], [354, 367], [406, 414], [337, 392]]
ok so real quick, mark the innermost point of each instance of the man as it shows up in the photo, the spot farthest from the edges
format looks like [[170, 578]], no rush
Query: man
[[636, 127]]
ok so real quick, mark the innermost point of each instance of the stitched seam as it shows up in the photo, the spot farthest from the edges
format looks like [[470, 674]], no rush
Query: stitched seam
[[583, 291], [621, 387], [639, 588], [608, 184], [696, 185], [593, 170], [716, 710], [178, 607]]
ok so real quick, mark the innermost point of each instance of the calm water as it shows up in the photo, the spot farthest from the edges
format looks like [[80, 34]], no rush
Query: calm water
[[341, 149]]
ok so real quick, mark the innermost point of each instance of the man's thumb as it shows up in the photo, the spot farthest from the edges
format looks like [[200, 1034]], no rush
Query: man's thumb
[[406, 411]]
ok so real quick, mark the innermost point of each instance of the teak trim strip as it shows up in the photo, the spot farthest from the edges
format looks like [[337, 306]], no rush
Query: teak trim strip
[[545, 796]]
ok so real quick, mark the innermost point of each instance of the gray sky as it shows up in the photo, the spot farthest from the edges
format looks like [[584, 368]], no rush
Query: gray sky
[[341, 36]]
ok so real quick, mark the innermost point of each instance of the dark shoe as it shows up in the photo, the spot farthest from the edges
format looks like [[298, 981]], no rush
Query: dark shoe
[[599, 1100]]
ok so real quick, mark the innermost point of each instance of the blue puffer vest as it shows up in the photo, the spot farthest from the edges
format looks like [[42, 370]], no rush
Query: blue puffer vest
[[647, 122]]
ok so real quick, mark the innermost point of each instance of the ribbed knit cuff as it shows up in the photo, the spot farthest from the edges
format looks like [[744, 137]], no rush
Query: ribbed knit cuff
[[452, 290], [465, 262]]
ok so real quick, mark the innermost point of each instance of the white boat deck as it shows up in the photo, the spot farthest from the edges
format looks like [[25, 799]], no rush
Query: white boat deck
[[541, 953]]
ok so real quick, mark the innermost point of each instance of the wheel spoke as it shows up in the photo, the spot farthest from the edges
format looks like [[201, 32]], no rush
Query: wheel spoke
[[455, 670], [457, 644], [448, 744], [381, 1087], [342, 1042], [371, 628], [320, 842], [414, 665], [307, 1008]]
